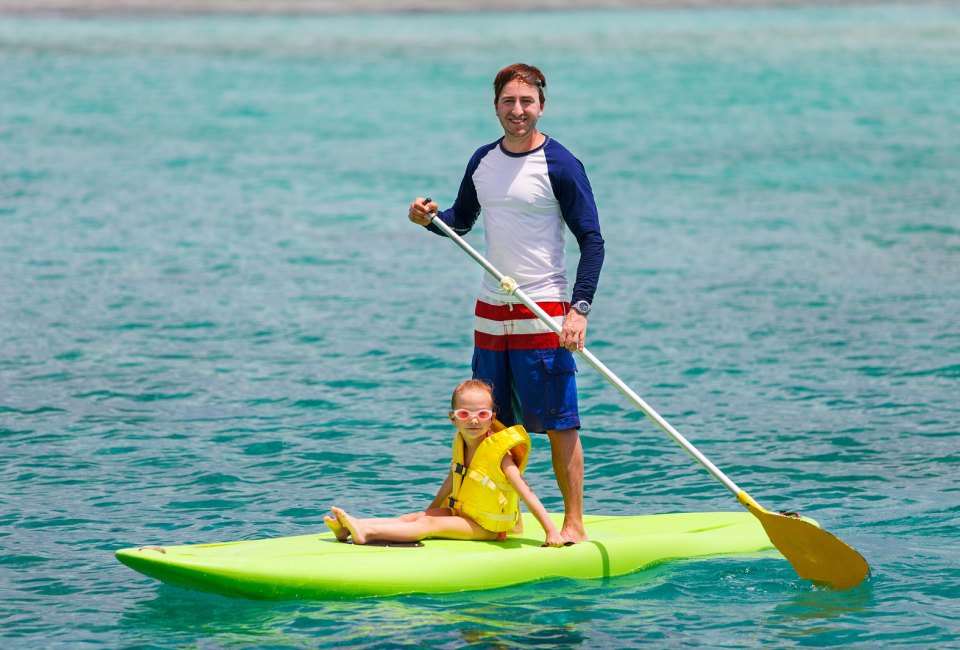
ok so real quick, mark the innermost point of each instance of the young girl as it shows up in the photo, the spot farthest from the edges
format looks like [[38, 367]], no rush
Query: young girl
[[478, 500]]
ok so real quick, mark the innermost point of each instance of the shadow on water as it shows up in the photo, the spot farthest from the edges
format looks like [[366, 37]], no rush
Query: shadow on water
[[824, 604], [822, 616], [544, 615], [566, 636]]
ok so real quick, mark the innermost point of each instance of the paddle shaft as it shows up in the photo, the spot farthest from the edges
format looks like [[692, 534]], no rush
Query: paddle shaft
[[658, 419]]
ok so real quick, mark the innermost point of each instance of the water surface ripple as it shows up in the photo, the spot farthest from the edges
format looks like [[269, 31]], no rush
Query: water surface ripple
[[215, 321]]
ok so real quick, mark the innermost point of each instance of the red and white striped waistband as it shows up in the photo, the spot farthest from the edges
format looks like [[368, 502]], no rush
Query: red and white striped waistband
[[512, 326]]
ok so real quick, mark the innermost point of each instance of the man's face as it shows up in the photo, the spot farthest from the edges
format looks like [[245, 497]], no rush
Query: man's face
[[518, 109]]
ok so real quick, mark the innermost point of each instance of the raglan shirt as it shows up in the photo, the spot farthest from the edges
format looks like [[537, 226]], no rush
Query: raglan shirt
[[525, 200]]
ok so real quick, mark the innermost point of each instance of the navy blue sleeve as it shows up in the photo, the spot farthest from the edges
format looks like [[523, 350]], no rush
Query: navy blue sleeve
[[466, 208], [572, 189]]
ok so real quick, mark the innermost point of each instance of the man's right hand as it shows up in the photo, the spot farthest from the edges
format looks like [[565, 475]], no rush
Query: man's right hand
[[420, 211]]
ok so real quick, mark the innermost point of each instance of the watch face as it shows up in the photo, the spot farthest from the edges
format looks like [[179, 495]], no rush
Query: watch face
[[582, 306]]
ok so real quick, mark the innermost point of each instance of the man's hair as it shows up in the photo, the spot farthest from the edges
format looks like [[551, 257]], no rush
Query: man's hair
[[519, 72], [472, 384]]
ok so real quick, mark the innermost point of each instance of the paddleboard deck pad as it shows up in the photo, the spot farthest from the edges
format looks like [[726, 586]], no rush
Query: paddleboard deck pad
[[318, 566]]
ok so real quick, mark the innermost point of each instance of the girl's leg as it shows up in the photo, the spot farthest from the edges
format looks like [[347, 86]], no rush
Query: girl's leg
[[415, 516], [342, 533], [423, 527], [334, 524]]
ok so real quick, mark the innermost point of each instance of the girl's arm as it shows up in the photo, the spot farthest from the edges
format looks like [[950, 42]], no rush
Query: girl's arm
[[440, 501], [512, 472]]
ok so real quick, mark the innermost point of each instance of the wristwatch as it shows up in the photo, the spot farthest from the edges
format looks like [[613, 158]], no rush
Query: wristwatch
[[582, 306]]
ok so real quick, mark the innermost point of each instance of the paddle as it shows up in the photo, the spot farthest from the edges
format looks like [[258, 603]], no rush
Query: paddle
[[814, 553]]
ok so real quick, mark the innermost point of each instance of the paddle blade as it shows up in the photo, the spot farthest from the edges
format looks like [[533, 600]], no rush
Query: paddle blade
[[813, 553]]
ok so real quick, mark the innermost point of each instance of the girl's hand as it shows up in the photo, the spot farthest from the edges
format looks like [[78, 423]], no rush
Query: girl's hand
[[554, 539]]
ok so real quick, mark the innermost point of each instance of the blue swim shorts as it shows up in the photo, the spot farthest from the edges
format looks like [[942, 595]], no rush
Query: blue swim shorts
[[534, 380]]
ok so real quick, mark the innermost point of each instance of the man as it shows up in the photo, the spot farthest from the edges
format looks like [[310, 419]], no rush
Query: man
[[527, 186]]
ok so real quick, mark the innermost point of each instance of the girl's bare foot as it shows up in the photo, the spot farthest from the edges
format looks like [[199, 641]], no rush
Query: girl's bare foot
[[334, 524], [351, 524]]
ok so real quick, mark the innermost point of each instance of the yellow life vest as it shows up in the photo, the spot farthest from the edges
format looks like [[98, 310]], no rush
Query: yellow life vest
[[481, 491]]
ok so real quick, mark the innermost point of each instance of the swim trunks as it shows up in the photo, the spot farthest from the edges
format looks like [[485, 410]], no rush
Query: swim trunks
[[533, 377]]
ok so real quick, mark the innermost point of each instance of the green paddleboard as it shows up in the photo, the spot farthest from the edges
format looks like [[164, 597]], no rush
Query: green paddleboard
[[317, 566]]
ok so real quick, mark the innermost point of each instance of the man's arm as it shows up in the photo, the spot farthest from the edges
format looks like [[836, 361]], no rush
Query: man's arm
[[466, 208], [579, 209]]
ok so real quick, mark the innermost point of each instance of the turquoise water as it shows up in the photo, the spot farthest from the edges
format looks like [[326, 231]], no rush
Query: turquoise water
[[215, 320]]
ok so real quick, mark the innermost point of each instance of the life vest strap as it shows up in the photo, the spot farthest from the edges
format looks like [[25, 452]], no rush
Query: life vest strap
[[458, 468], [453, 504], [489, 482], [496, 516]]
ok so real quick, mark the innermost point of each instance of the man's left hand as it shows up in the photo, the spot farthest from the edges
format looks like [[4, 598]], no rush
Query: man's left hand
[[574, 331]]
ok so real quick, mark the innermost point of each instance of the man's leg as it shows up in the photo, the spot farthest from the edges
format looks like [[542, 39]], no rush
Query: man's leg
[[493, 367], [545, 379], [567, 453], [491, 361]]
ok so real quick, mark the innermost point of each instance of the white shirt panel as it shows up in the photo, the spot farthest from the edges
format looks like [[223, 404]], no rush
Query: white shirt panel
[[523, 224]]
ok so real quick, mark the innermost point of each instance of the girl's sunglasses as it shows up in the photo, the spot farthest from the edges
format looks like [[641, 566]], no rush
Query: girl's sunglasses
[[463, 414]]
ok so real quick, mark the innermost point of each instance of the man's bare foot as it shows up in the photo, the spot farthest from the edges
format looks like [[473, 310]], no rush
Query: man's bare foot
[[351, 524], [573, 534], [334, 524]]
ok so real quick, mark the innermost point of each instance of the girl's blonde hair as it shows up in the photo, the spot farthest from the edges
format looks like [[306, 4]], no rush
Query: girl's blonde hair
[[472, 384]]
